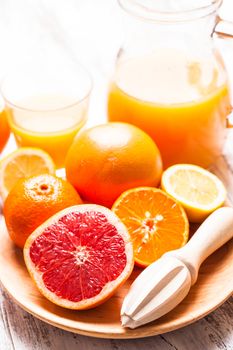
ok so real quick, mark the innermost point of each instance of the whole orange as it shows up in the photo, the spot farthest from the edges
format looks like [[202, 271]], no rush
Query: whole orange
[[4, 130], [108, 159], [34, 200]]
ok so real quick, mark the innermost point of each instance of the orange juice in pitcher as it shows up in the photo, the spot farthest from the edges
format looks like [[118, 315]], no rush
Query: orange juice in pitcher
[[173, 85]]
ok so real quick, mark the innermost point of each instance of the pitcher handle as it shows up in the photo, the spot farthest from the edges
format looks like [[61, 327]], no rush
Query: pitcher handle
[[230, 120], [224, 29]]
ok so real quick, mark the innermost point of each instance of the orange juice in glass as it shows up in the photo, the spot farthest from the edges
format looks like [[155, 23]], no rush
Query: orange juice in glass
[[47, 106], [171, 82]]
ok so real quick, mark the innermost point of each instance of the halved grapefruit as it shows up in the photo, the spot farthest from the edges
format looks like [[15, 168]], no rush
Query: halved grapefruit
[[80, 256]]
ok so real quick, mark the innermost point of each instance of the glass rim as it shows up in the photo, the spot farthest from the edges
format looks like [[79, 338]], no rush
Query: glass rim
[[137, 9], [47, 110]]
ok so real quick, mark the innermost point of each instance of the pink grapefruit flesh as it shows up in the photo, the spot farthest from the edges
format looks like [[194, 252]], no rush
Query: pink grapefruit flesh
[[80, 256]]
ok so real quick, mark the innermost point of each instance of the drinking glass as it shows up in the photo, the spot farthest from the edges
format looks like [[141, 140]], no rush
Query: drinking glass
[[47, 104]]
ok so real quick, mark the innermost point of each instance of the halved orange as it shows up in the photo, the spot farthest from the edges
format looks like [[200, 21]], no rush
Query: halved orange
[[156, 222]]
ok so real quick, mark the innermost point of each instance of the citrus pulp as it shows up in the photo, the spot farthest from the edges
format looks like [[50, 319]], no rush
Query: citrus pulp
[[199, 191], [80, 256], [155, 221]]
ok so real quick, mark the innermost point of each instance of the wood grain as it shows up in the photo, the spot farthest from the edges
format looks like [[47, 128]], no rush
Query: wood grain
[[213, 287], [27, 333]]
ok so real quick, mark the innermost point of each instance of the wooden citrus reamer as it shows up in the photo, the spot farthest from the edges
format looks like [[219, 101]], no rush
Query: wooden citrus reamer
[[166, 282]]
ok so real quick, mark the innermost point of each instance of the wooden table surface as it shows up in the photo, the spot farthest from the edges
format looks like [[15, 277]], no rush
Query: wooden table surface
[[89, 31]]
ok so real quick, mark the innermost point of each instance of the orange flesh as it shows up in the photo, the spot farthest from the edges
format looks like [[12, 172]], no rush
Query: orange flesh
[[156, 223]]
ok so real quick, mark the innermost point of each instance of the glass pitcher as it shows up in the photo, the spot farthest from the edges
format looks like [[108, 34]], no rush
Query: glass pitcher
[[170, 79]]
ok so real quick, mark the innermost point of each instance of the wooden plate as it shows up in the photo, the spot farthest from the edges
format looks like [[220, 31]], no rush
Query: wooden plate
[[213, 287]]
